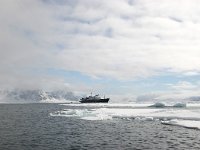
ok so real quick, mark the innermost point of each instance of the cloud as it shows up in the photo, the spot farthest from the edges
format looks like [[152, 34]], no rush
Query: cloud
[[121, 39], [133, 42], [184, 85], [180, 91]]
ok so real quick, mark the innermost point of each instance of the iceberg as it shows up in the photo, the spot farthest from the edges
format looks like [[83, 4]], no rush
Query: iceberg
[[179, 105], [158, 105]]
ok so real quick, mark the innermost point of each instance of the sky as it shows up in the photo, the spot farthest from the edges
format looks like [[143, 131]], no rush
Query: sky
[[130, 49]]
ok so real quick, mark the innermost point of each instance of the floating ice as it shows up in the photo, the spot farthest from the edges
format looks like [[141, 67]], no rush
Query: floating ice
[[86, 114], [110, 105], [72, 113], [106, 113], [185, 116], [193, 124], [179, 105], [148, 118], [136, 112], [158, 105]]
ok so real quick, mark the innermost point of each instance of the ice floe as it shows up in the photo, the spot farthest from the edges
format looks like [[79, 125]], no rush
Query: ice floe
[[193, 124], [177, 114]]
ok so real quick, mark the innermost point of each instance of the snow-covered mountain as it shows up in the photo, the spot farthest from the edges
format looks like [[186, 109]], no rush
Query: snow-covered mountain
[[36, 96]]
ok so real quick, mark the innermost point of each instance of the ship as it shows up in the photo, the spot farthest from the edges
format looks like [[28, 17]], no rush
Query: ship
[[94, 99]]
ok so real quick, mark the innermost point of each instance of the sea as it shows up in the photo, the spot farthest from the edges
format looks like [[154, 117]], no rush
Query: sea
[[98, 127]]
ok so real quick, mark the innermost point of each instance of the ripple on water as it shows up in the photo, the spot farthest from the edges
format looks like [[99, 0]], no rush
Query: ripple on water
[[31, 127]]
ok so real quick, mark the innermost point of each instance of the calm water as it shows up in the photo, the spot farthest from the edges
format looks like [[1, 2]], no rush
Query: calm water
[[30, 126]]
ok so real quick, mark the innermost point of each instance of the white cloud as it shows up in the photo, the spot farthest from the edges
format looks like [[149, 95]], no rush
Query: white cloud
[[119, 39], [183, 85], [180, 91]]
